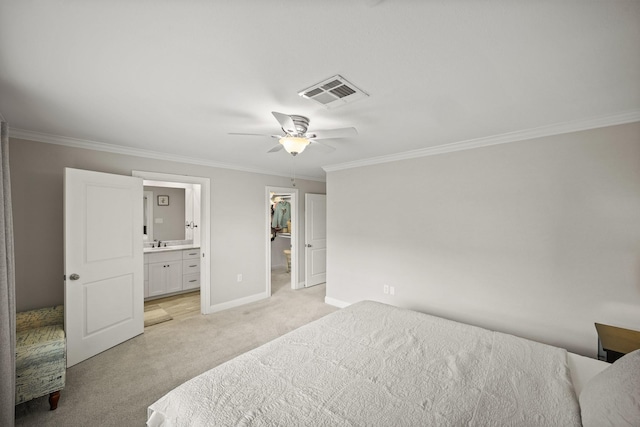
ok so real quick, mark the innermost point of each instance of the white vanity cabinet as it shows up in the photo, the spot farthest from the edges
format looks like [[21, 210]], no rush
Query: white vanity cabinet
[[171, 271], [146, 276], [191, 269], [165, 273]]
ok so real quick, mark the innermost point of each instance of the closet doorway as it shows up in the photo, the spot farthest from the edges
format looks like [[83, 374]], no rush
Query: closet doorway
[[282, 228]]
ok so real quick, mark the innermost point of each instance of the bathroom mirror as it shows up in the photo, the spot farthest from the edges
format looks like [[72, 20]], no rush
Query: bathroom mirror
[[164, 217]]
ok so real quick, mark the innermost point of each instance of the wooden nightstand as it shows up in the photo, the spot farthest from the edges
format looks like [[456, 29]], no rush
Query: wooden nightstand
[[617, 341]]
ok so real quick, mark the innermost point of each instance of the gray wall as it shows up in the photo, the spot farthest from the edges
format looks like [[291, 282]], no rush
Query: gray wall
[[539, 238], [173, 219], [237, 218]]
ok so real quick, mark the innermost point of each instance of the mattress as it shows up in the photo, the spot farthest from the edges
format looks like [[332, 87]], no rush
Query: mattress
[[375, 364]]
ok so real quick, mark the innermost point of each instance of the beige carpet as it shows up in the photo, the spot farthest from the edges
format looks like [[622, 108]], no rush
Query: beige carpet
[[154, 314], [115, 387]]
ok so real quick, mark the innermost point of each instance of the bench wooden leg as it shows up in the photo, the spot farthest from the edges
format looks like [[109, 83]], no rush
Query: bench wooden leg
[[53, 399]]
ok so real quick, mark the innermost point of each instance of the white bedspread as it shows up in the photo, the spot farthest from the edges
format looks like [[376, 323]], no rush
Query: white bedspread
[[374, 364]]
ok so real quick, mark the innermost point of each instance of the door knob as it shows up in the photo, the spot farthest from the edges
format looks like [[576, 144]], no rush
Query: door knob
[[308, 245], [74, 276]]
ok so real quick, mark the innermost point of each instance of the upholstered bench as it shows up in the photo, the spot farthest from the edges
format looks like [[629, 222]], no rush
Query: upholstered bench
[[41, 354]]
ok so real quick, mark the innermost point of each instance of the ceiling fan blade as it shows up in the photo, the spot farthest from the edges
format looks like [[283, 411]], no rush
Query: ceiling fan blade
[[286, 122], [323, 146], [276, 148], [255, 134], [333, 133]]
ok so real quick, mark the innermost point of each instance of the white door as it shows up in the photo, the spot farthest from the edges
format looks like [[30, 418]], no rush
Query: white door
[[315, 218], [103, 263]]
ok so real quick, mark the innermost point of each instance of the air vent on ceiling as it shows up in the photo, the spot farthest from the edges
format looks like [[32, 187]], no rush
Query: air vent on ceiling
[[333, 92]]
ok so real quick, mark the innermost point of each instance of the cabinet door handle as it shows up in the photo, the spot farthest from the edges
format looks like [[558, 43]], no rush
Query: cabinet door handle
[[191, 281], [193, 265]]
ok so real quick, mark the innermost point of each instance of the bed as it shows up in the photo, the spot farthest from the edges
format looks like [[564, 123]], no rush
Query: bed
[[375, 364]]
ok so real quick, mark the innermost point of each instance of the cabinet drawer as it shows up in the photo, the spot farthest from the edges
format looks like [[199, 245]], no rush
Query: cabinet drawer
[[165, 256], [191, 266], [146, 258], [191, 281], [191, 253]]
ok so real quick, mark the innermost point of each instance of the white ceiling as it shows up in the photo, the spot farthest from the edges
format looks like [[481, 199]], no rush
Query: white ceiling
[[176, 77]]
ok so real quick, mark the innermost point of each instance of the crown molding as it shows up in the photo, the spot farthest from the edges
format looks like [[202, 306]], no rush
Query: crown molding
[[539, 132], [119, 149]]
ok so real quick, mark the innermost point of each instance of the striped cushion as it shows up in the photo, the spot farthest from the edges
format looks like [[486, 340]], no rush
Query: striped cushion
[[40, 317], [40, 362]]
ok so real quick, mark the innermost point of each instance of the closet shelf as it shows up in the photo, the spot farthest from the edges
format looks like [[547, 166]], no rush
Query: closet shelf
[[287, 235]]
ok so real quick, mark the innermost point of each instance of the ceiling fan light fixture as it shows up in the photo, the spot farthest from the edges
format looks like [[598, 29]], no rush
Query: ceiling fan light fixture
[[294, 144]]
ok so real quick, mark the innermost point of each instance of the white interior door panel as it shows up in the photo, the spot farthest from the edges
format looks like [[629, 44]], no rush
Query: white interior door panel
[[316, 239], [104, 279]]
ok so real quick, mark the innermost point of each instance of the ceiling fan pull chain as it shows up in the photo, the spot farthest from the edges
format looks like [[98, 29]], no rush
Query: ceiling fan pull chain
[[293, 170]]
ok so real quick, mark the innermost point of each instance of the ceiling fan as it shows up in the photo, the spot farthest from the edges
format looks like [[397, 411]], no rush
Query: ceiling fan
[[297, 138]]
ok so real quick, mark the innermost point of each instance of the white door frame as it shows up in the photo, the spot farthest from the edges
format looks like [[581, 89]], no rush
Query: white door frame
[[205, 228], [295, 225]]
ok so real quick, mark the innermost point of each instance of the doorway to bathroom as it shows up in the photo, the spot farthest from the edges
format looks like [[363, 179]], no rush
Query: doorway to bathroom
[[176, 224], [281, 205]]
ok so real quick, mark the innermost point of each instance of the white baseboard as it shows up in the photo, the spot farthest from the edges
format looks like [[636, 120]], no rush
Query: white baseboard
[[237, 302], [336, 303]]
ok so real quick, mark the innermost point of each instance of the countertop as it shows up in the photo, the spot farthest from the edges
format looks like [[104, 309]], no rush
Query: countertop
[[169, 248]]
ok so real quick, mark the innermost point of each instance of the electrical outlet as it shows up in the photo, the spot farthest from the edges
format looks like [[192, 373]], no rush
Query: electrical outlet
[[385, 289], [239, 277], [392, 290]]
